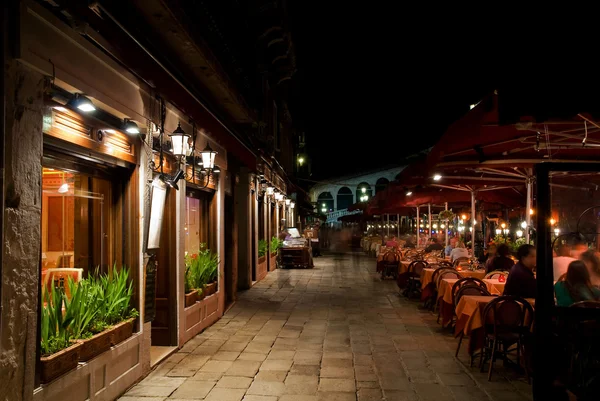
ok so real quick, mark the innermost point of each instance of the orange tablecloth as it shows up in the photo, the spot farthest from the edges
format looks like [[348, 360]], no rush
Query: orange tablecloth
[[480, 274], [426, 276], [470, 318], [494, 286]]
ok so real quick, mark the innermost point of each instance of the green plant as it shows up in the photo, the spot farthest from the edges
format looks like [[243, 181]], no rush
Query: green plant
[[514, 246], [275, 244], [114, 293], [446, 215], [82, 308], [262, 248], [54, 326], [201, 268]]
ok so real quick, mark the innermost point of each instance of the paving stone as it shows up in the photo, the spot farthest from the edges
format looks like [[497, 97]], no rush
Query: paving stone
[[335, 396], [370, 394], [282, 355], [193, 390], [133, 398], [394, 395], [461, 379], [337, 385], [271, 376], [259, 398], [433, 392], [150, 391], [298, 398], [233, 346], [251, 356], [301, 385], [243, 368], [334, 371], [225, 394], [162, 381], [266, 388], [373, 384], [306, 370], [234, 382], [216, 366], [276, 365], [207, 376]]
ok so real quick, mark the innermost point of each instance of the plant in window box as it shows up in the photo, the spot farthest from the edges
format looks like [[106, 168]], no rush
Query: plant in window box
[[262, 255], [209, 263], [191, 294], [114, 300], [275, 245], [59, 354]]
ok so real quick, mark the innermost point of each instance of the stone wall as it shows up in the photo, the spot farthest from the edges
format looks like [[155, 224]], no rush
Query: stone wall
[[22, 215]]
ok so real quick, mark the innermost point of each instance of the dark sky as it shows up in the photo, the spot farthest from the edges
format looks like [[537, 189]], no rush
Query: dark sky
[[374, 85]]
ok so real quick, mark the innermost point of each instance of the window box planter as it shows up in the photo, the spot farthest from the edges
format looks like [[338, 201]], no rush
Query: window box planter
[[57, 364], [191, 298], [94, 346], [121, 331], [201, 295], [210, 288], [273, 261]]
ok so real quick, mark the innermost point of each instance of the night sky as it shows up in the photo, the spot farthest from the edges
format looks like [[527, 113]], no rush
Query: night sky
[[374, 84], [368, 93]]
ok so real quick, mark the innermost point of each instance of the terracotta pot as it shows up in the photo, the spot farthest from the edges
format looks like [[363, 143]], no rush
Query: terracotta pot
[[57, 364], [262, 259], [191, 298], [201, 295], [121, 331], [94, 346]]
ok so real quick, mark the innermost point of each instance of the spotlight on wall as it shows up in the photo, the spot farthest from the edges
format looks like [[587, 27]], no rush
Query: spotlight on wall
[[172, 182], [130, 127], [82, 103]]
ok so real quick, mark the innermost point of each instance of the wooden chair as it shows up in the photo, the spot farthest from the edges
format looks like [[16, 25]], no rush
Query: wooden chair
[[414, 277], [391, 263], [509, 322], [496, 274]]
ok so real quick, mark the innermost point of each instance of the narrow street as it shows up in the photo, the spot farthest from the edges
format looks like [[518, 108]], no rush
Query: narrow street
[[335, 333]]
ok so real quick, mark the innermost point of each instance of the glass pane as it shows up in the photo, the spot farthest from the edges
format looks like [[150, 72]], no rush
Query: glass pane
[[74, 225]]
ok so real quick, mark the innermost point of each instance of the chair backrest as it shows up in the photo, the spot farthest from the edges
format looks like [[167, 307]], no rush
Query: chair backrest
[[391, 257], [508, 313], [447, 273], [586, 304], [468, 289], [496, 274], [446, 263], [472, 281], [416, 267], [460, 260]]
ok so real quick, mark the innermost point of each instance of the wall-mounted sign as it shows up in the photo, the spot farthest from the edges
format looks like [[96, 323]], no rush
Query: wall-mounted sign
[[158, 196]]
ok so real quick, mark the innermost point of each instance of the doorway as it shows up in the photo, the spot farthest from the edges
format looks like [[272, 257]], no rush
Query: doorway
[[231, 248], [164, 326]]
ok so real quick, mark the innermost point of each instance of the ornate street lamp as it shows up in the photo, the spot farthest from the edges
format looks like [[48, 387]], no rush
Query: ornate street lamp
[[179, 141]]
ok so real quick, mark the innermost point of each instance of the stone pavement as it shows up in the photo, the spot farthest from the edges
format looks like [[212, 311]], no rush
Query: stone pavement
[[334, 333]]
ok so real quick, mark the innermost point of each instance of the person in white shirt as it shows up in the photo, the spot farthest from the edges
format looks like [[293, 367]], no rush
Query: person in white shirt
[[560, 263], [459, 252]]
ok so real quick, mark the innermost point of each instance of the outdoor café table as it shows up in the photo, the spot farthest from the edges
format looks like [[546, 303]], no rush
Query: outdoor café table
[[480, 274], [445, 300], [426, 276], [469, 312], [494, 286]]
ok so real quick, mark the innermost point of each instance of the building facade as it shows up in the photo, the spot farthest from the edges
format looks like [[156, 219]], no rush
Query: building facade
[[107, 123]]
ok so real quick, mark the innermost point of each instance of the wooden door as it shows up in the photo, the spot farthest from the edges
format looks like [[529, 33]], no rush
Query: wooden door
[[164, 325]]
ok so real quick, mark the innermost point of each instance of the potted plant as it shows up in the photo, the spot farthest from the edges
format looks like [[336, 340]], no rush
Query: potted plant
[[191, 294], [275, 245], [262, 252], [210, 269], [115, 304], [83, 308], [446, 215], [59, 354]]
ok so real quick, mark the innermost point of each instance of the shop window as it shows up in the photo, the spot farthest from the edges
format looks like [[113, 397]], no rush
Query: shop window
[[76, 221]]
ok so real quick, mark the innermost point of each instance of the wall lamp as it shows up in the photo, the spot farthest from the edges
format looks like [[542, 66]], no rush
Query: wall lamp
[[82, 103], [130, 127], [172, 181]]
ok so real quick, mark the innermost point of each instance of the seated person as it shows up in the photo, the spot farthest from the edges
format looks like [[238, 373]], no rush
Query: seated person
[[501, 261], [459, 252], [392, 243], [434, 245], [562, 260], [410, 243], [592, 262], [575, 285], [448, 250], [521, 281]]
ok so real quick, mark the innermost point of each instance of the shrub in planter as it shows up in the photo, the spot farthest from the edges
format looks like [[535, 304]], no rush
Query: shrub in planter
[[202, 270], [262, 248], [59, 354], [275, 244]]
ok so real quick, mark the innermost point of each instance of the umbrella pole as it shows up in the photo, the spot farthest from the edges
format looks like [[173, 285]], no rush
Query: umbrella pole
[[473, 223], [446, 225], [429, 214], [528, 208], [388, 225], [418, 227], [398, 221]]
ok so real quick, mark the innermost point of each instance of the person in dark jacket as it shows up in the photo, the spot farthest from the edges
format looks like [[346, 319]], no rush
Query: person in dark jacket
[[521, 280], [434, 246], [501, 261]]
